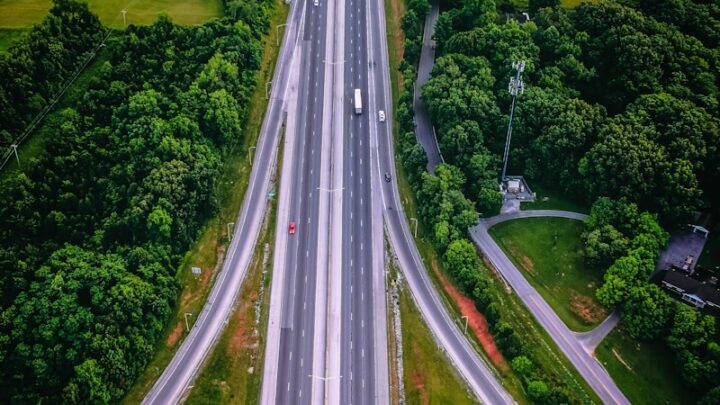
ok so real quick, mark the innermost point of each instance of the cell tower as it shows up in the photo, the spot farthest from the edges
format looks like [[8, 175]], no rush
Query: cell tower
[[515, 87]]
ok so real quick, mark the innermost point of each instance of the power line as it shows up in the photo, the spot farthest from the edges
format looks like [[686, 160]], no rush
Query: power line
[[12, 149]]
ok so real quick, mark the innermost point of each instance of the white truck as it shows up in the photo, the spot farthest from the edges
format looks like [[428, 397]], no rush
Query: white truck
[[358, 102]]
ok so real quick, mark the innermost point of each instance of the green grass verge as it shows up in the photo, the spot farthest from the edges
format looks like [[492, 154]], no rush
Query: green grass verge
[[25, 13], [34, 144], [547, 199], [8, 36], [644, 371], [233, 373], [428, 376], [548, 251], [231, 190]]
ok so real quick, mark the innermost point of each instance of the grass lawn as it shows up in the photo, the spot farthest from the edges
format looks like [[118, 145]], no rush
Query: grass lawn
[[548, 252], [232, 186], [428, 376], [645, 372], [551, 200], [24, 13], [8, 36]]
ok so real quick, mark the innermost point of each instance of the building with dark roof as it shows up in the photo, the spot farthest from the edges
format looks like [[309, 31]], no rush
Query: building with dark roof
[[695, 292]]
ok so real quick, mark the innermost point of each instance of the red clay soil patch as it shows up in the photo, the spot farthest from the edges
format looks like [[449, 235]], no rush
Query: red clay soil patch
[[175, 335], [584, 307], [418, 381], [243, 337], [476, 321]]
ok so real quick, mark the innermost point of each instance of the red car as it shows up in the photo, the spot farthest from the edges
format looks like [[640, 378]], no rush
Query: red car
[[292, 228]]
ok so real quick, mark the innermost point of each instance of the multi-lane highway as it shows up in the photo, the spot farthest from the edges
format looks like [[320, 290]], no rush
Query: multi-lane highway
[[177, 376], [302, 257], [566, 340], [360, 297]]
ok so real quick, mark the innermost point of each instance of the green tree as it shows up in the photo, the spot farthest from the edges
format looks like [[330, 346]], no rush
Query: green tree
[[646, 311], [537, 391], [535, 5]]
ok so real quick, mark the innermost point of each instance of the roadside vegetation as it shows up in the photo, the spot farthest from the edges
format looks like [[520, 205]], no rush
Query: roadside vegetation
[[429, 377], [608, 88], [503, 332], [549, 252], [233, 372], [95, 230], [209, 249]]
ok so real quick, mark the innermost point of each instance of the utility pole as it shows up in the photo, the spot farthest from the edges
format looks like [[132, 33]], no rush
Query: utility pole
[[250, 149], [267, 90], [123, 12], [229, 235], [277, 34], [515, 87], [466, 322], [14, 147], [416, 222], [187, 326]]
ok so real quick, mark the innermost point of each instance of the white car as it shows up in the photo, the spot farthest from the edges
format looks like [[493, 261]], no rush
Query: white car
[[316, 2], [381, 115]]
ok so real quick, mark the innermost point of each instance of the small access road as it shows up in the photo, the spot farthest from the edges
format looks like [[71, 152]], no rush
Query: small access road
[[568, 342]]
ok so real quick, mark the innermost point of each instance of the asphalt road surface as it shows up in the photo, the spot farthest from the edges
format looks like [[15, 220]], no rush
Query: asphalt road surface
[[357, 345], [567, 341], [297, 333], [363, 340], [424, 129], [468, 363], [178, 375]]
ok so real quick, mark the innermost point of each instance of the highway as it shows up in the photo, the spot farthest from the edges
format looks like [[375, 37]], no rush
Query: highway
[[178, 375], [445, 330], [566, 340], [301, 258], [363, 362]]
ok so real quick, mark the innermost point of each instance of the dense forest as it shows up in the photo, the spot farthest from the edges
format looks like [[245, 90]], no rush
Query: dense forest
[[36, 68], [94, 228], [620, 111]]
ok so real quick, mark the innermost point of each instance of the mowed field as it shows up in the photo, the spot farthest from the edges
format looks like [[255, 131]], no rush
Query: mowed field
[[548, 251], [24, 13]]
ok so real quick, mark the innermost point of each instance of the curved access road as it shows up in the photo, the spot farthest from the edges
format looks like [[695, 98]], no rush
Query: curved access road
[[566, 340], [177, 376]]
